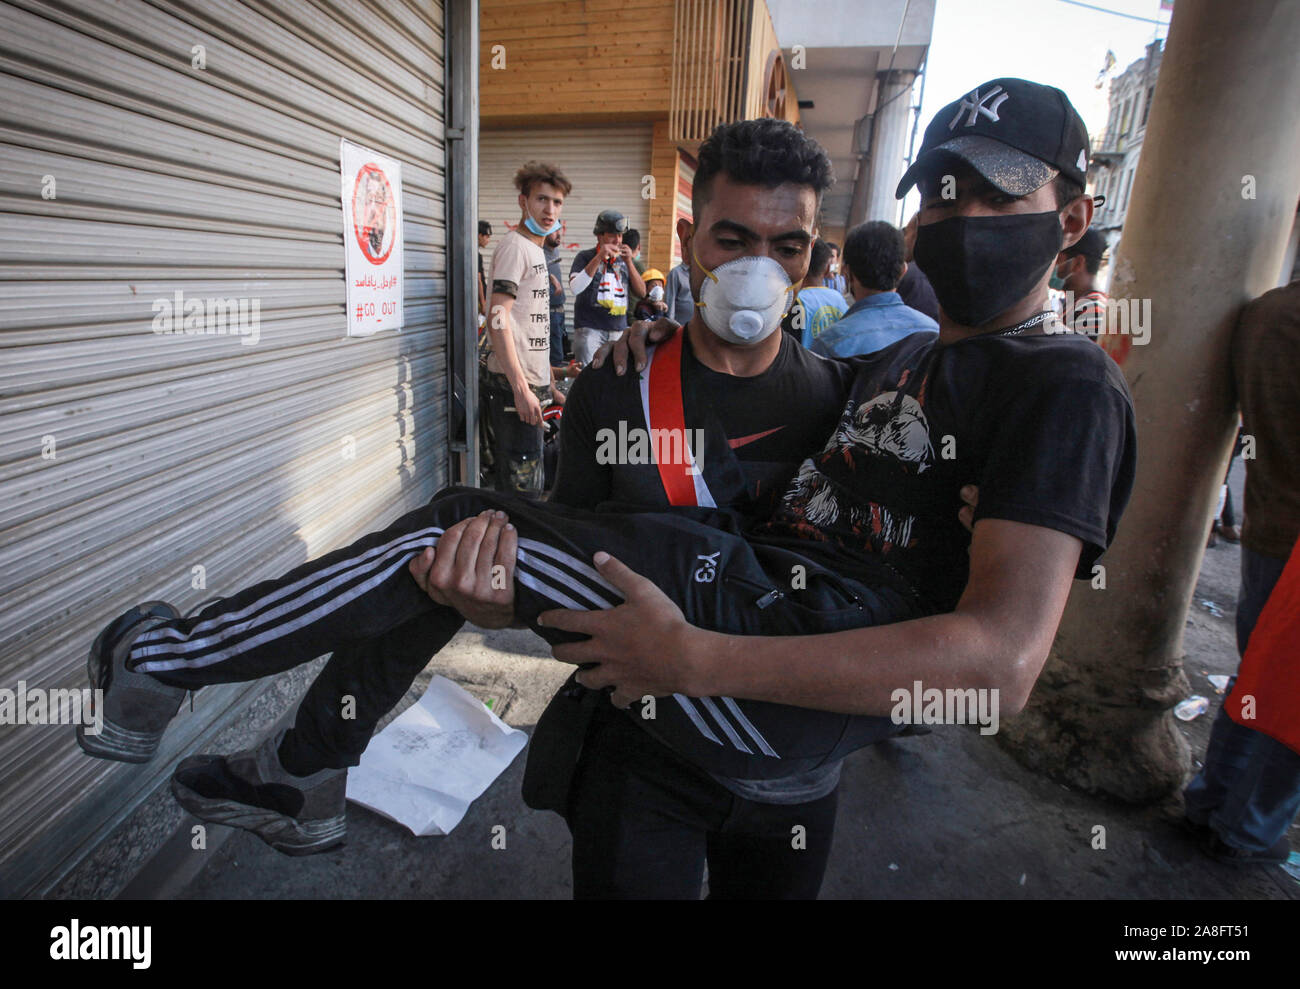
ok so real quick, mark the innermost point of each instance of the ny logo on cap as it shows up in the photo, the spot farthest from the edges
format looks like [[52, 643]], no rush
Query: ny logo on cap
[[974, 103]]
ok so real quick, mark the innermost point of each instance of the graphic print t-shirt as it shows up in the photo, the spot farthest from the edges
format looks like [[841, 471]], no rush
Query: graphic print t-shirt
[[517, 259], [1042, 424]]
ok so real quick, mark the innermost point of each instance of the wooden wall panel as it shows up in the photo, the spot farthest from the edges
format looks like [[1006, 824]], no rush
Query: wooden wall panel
[[570, 59]]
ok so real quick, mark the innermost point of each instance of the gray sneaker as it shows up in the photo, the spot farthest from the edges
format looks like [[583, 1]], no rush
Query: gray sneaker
[[137, 707], [296, 815]]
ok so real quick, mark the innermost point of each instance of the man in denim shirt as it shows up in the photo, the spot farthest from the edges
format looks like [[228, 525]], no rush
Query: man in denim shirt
[[873, 255]]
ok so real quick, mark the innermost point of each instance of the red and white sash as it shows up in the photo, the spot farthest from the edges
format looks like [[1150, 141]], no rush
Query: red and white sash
[[661, 403]]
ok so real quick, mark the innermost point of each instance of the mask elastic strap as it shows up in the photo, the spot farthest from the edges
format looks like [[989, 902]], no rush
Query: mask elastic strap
[[696, 258], [708, 274]]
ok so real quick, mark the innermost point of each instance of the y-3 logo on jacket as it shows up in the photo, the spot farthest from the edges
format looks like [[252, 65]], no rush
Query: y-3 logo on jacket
[[708, 568]]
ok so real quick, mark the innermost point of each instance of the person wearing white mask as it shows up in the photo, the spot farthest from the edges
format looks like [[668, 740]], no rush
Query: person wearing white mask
[[763, 403], [654, 304]]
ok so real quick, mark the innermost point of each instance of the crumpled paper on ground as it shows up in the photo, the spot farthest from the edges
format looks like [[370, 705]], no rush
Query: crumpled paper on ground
[[434, 759]]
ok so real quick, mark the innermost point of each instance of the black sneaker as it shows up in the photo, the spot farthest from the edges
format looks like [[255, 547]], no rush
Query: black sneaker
[[296, 815], [136, 707], [1221, 851]]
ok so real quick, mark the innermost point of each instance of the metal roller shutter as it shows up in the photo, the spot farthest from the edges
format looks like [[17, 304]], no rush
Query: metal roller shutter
[[606, 165], [128, 458]]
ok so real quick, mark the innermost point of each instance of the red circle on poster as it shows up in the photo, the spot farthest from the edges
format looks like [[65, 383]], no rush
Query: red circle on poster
[[374, 213]]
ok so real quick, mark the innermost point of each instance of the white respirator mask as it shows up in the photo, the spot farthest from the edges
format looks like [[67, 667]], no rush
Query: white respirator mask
[[744, 301], [657, 293]]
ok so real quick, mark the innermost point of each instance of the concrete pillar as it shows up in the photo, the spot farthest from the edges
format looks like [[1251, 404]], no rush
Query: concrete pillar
[[888, 145], [858, 204], [1223, 129]]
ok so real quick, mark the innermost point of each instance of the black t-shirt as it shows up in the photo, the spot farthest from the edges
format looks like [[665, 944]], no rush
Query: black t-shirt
[[1043, 425], [757, 429]]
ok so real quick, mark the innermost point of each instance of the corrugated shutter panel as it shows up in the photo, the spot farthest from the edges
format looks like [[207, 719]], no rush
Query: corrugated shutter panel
[[167, 453], [606, 165]]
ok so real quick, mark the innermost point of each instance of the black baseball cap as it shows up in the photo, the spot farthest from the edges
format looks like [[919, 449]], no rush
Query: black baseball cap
[[1017, 134]]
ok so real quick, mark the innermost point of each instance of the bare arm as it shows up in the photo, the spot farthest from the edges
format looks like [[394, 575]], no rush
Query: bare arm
[[503, 345], [998, 637], [503, 340]]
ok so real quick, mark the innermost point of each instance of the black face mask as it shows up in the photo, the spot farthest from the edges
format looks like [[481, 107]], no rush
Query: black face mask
[[980, 266]]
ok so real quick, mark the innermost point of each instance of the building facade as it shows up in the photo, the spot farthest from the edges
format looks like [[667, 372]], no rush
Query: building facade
[[1115, 152], [155, 160], [619, 98], [860, 69]]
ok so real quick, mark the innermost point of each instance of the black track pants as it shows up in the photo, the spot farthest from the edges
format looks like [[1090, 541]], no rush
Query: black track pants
[[644, 822], [361, 604]]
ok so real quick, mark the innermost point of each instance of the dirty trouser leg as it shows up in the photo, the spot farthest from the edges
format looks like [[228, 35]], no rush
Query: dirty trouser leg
[[517, 446], [587, 341], [361, 683]]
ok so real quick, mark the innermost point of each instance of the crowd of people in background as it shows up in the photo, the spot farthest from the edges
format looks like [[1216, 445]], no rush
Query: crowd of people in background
[[852, 302], [865, 289]]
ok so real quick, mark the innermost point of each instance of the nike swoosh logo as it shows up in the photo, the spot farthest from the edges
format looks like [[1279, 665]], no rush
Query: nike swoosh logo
[[743, 440]]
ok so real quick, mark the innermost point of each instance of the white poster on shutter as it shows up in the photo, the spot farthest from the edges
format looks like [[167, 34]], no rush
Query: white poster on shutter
[[372, 239]]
